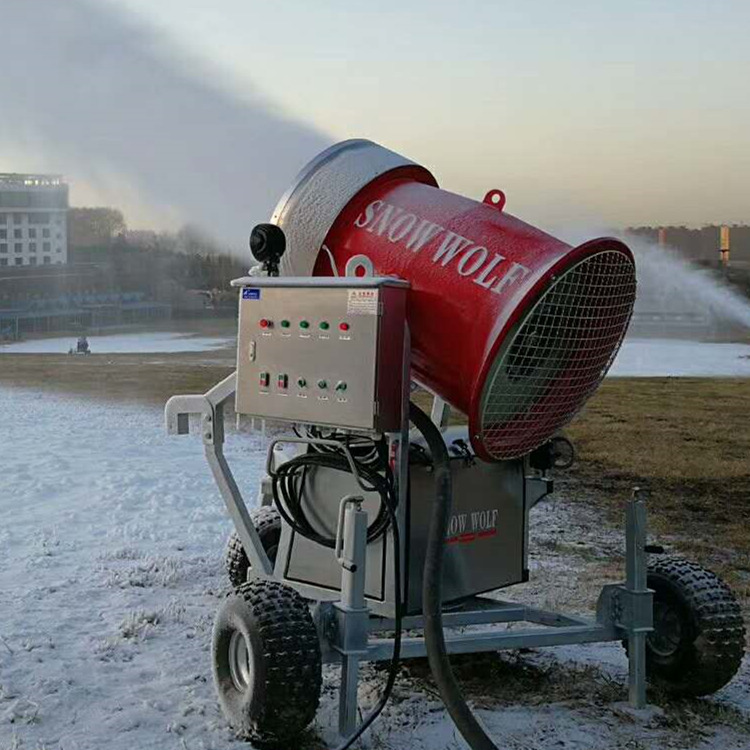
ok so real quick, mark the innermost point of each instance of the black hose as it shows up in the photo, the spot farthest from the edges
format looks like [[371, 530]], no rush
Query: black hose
[[432, 589]]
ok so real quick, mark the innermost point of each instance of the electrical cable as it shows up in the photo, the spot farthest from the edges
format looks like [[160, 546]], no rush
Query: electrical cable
[[432, 588], [289, 490], [362, 448], [332, 259], [375, 470], [398, 627]]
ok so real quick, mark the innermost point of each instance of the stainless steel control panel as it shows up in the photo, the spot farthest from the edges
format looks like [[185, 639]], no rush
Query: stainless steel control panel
[[325, 351]]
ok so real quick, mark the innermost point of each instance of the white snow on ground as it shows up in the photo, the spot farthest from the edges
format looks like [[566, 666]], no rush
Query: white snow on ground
[[676, 358], [110, 543], [158, 342], [111, 535]]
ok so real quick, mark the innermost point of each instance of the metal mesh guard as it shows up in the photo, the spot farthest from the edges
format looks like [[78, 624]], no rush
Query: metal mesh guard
[[558, 355]]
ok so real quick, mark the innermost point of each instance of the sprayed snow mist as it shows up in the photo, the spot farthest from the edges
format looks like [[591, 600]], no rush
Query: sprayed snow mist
[[101, 96], [674, 290], [675, 297]]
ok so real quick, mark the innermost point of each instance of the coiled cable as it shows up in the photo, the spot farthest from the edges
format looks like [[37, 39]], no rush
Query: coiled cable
[[290, 478]]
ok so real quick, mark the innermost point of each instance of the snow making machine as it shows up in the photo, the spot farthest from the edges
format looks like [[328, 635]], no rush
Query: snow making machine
[[380, 532]]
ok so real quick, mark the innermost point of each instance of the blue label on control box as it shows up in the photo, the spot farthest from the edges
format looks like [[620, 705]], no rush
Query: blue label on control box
[[251, 294]]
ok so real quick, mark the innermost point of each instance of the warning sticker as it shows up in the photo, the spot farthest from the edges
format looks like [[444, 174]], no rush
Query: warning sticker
[[362, 302]]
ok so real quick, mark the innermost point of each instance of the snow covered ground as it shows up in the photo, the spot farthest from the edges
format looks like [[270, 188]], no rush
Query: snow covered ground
[[111, 535], [157, 342], [678, 358]]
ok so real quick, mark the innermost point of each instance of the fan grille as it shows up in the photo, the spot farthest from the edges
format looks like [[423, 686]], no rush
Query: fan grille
[[558, 355]]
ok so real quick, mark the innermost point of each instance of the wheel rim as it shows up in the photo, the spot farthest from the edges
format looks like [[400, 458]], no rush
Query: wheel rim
[[240, 666], [667, 634]]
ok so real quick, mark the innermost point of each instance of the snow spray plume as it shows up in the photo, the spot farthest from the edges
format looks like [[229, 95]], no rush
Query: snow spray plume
[[101, 95], [669, 286], [674, 296]]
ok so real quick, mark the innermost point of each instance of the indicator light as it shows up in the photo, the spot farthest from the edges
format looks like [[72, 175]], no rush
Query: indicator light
[[265, 323], [285, 324], [341, 386], [302, 383], [343, 326], [264, 379], [304, 324], [283, 381], [325, 325], [322, 384]]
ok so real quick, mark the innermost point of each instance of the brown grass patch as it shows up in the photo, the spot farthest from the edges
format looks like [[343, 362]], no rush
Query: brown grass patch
[[149, 378], [688, 441]]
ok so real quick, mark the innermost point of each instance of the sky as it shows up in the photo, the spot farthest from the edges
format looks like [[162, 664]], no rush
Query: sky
[[603, 113]]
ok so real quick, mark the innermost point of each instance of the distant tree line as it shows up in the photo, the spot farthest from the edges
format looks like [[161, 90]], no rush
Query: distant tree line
[[148, 261], [165, 264]]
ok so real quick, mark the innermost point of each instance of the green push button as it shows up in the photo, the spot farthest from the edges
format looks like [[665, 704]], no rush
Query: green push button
[[285, 324], [324, 325], [304, 324]]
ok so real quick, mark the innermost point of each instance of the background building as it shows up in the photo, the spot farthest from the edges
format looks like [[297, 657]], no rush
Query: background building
[[33, 220]]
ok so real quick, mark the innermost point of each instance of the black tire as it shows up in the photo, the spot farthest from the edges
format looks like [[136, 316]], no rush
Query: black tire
[[268, 525], [278, 696], [699, 636]]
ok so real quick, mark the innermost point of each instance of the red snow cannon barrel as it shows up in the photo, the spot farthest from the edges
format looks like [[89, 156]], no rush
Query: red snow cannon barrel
[[510, 325]]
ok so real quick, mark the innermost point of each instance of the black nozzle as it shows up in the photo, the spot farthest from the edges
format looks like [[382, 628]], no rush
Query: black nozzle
[[267, 244]]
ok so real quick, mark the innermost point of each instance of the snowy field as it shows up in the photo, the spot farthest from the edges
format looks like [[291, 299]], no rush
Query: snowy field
[[677, 358], [110, 541], [110, 536], [159, 342]]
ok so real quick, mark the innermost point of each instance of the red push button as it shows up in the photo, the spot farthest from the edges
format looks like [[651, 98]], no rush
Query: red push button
[[343, 326], [265, 323]]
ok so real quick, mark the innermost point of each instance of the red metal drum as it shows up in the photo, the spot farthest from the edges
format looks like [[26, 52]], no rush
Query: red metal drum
[[508, 324]]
